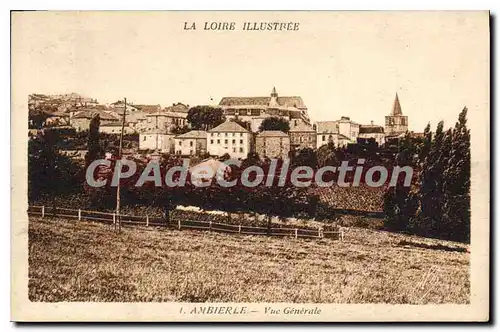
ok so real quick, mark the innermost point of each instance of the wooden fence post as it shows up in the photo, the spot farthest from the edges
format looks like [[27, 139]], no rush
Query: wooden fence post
[[43, 211], [296, 230], [210, 225], [79, 214], [179, 224], [320, 232], [341, 235], [114, 218], [147, 220], [239, 229]]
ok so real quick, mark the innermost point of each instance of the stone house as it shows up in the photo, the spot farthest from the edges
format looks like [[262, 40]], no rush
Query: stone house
[[163, 120], [372, 131], [302, 136], [191, 143], [340, 132], [115, 128], [272, 144], [157, 140], [81, 120]]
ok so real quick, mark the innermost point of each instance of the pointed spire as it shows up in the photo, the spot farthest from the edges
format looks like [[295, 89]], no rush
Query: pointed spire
[[396, 108], [274, 93]]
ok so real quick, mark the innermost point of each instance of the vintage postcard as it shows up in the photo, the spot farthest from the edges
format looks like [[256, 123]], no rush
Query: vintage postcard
[[250, 166]]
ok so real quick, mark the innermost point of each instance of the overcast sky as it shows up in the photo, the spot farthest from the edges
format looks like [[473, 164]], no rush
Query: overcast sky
[[349, 64]]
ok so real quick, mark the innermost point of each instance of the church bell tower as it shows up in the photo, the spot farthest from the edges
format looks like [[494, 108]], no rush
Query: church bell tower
[[396, 123]]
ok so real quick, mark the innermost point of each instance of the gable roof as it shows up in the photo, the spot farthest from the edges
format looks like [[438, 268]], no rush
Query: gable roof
[[148, 108], [272, 133], [371, 129], [292, 101], [112, 124], [302, 127], [179, 107], [193, 134], [229, 127], [167, 114], [90, 113], [327, 127]]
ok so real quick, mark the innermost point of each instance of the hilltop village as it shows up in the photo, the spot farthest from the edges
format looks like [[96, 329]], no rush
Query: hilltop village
[[171, 129]]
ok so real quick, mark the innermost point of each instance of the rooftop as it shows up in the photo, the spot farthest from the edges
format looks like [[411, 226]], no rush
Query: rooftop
[[272, 133], [91, 113], [396, 107], [193, 134], [291, 101], [371, 129], [229, 127], [302, 127]]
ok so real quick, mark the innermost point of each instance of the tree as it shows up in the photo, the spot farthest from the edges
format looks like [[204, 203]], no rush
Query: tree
[[305, 157], [243, 123], [181, 130], [426, 144], [95, 150], [456, 186], [37, 117], [251, 159], [50, 173], [326, 155], [205, 117], [401, 202], [275, 123], [431, 193]]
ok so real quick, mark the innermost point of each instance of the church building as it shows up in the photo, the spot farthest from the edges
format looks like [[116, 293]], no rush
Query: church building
[[396, 123], [256, 109]]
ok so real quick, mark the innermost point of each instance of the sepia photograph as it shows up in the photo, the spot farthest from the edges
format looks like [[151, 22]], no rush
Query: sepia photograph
[[250, 166]]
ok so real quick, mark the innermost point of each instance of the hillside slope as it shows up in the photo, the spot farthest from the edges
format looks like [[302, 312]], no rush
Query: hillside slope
[[81, 261]]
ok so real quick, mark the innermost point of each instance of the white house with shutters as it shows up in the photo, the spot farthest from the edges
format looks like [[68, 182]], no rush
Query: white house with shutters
[[231, 138]]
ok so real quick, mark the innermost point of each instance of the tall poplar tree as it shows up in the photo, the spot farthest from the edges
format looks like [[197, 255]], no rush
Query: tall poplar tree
[[456, 187], [94, 149]]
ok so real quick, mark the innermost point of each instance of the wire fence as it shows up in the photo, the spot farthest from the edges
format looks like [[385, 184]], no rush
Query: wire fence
[[112, 218]]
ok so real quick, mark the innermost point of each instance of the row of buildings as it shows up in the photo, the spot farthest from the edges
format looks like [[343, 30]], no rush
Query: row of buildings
[[156, 125], [237, 141]]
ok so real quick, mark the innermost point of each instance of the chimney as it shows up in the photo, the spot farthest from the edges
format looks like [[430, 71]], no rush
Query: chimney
[[371, 122]]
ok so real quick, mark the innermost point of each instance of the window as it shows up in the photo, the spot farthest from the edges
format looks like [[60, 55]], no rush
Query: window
[[180, 143], [144, 138], [234, 134], [225, 134], [234, 149], [218, 134], [218, 141], [241, 141], [191, 151], [225, 141], [190, 143], [241, 149], [241, 134], [234, 141], [324, 138], [211, 141]]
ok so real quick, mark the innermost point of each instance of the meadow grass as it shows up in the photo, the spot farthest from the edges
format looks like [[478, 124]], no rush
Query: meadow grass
[[84, 261]]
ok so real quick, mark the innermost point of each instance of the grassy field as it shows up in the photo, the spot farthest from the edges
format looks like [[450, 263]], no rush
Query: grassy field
[[83, 261]]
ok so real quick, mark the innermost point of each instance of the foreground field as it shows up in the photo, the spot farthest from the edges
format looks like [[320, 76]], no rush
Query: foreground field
[[80, 261]]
